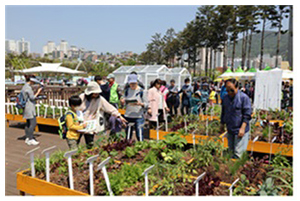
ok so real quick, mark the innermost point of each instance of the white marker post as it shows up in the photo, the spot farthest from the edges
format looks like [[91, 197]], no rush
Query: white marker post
[[140, 129], [60, 109], [17, 110], [31, 152], [38, 109], [271, 148], [53, 111], [7, 108], [90, 161], [196, 182], [46, 108], [130, 125], [255, 139], [69, 156], [146, 179], [12, 107], [232, 185], [166, 119], [157, 127], [194, 140], [47, 153], [102, 166], [185, 124]]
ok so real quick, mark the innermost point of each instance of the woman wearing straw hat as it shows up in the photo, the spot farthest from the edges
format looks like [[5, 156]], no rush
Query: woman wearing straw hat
[[93, 107]]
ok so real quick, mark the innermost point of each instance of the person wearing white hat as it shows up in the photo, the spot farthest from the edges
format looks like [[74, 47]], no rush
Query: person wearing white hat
[[29, 112], [93, 107]]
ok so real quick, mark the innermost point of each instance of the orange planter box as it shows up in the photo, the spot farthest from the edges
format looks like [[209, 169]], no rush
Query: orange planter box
[[39, 120], [189, 138], [265, 147], [34, 186], [204, 117], [261, 147]]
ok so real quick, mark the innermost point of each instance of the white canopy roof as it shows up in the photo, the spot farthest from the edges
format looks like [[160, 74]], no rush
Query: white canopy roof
[[286, 74], [51, 68]]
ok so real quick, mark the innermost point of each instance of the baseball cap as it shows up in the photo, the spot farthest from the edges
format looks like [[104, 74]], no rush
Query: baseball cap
[[132, 78]]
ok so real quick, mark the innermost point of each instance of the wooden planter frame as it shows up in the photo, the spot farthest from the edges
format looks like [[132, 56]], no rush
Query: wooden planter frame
[[35, 186], [259, 146]]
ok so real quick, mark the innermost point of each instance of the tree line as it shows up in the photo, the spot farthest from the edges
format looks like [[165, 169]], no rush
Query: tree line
[[215, 28]]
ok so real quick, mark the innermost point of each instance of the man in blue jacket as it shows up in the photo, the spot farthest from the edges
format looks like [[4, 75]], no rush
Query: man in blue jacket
[[236, 114]]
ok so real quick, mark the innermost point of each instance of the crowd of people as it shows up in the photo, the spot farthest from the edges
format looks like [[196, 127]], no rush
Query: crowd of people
[[103, 97]]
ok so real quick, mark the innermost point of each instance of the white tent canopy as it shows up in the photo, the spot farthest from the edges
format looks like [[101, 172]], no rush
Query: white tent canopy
[[286, 74], [51, 68], [148, 73]]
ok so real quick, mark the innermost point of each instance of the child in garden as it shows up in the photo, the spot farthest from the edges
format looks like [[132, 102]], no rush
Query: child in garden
[[72, 123]]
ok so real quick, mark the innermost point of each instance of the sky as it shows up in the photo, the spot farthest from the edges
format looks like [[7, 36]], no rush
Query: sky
[[100, 28]]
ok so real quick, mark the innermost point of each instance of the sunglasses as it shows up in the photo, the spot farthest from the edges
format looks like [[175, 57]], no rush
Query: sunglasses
[[230, 90]]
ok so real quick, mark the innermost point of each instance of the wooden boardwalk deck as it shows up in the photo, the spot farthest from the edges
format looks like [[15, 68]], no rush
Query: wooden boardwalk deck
[[15, 149]]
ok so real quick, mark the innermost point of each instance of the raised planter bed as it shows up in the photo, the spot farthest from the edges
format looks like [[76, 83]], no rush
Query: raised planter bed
[[35, 186], [258, 146]]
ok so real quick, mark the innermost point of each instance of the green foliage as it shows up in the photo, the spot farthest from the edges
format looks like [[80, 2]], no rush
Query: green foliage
[[242, 187], [238, 163], [130, 152], [173, 140], [268, 188]]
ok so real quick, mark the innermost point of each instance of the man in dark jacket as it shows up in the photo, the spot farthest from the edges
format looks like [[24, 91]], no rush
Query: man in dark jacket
[[236, 114]]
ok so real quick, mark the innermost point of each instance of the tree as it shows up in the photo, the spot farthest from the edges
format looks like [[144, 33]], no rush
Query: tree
[[264, 13], [225, 13], [156, 47], [276, 17], [253, 21], [171, 47], [205, 15]]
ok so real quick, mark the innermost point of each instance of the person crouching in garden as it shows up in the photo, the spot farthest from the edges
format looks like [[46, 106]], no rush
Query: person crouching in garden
[[93, 107], [236, 114], [136, 104], [72, 123]]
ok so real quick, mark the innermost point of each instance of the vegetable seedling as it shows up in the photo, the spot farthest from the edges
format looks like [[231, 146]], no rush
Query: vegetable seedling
[[31, 152], [146, 179], [69, 156], [196, 182], [102, 166], [47, 153]]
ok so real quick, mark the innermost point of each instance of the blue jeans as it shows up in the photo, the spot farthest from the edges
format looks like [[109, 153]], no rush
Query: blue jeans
[[138, 131], [237, 145]]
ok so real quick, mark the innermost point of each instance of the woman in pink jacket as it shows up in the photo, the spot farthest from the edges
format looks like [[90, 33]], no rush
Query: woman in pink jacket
[[157, 103]]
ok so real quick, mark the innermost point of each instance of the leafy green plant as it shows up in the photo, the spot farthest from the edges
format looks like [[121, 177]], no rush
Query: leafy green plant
[[174, 141], [130, 152], [268, 188], [242, 187]]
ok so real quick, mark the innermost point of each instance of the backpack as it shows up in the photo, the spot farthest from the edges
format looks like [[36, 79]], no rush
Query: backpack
[[141, 93], [21, 102], [63, 125]]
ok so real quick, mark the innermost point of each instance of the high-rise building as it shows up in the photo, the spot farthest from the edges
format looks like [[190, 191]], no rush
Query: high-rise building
[[10, 46], [23, 46], [64, 46], [50, 46], [45, 50]]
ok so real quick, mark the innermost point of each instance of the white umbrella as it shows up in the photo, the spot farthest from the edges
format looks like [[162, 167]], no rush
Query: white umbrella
[[51, 68]]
